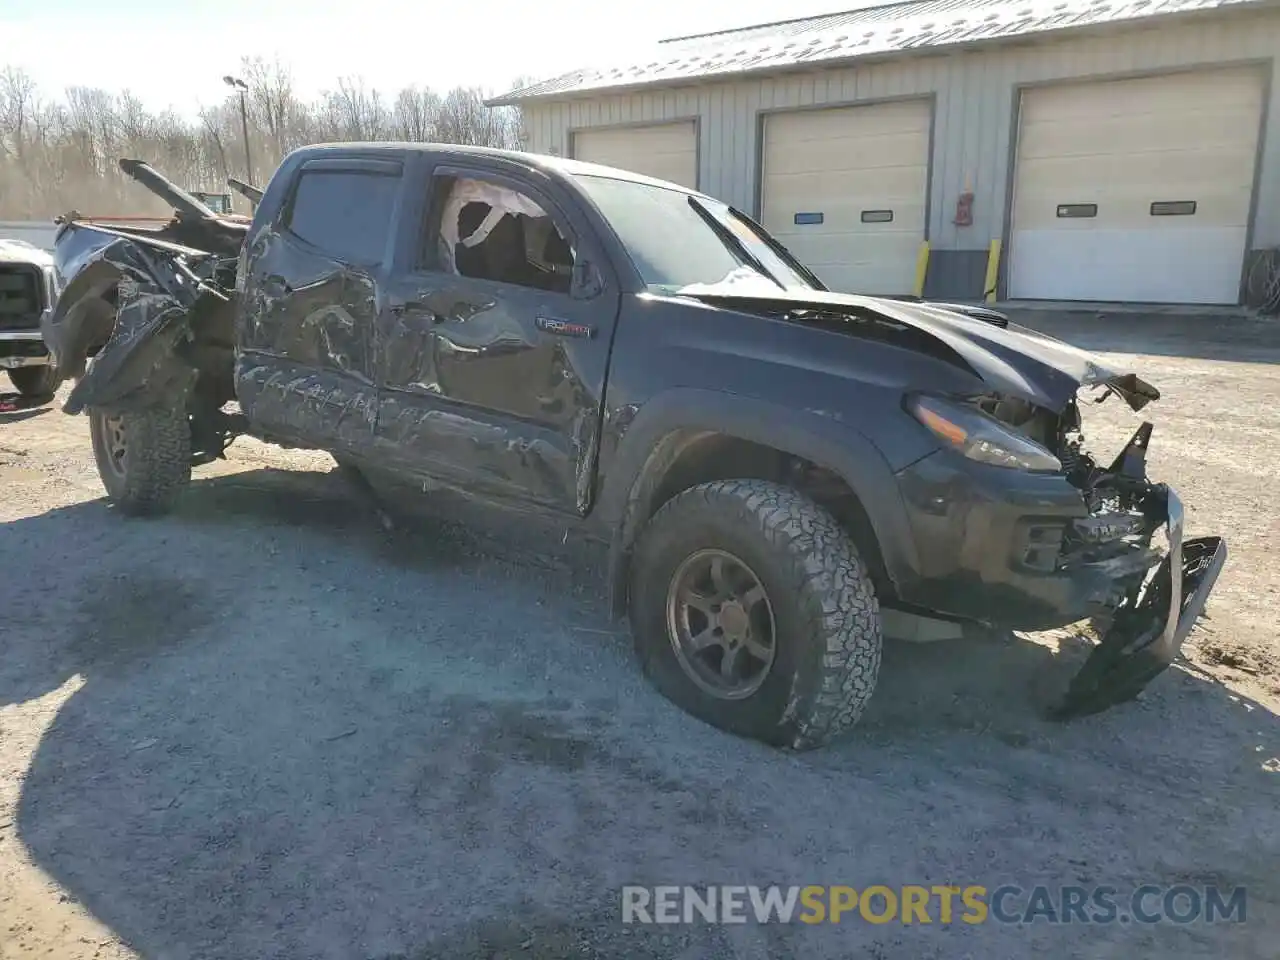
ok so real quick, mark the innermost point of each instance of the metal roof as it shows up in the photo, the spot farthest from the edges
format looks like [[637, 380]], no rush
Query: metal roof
[[895, 28]]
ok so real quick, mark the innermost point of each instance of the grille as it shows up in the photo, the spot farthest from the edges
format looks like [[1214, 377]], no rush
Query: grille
[[20, 297]]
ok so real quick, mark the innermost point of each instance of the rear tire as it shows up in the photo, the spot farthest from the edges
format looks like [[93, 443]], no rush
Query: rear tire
[[143, 457], [792, 609], [35, 382]]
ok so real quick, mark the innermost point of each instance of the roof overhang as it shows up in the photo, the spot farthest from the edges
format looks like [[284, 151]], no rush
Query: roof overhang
[[1014, 38]]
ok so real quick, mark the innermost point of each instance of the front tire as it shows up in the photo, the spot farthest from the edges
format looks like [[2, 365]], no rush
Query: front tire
[[143, 457], [35, 382], [752, 610]]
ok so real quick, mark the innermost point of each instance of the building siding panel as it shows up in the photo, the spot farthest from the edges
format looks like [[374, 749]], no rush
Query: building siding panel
[[975, 94]]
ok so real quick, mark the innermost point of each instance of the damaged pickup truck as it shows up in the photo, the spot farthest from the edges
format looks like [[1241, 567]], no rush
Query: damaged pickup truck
[[780, 473]]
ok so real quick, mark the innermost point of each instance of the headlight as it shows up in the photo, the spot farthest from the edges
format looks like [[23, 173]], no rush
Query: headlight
[[979, 437]]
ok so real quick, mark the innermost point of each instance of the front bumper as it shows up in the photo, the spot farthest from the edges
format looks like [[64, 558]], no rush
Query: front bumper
[[23, 348], [988, 542], [1022, 551], [1148, 631]]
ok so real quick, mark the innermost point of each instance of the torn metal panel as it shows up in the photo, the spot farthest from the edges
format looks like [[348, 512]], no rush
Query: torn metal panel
[[304, 338], [1148, 628], [459, 354], [457, 368], [140, 356], [296, 404], [159, 300], [464, 448]]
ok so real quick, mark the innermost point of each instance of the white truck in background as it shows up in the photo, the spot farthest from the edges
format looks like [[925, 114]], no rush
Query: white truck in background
[[27, 291]]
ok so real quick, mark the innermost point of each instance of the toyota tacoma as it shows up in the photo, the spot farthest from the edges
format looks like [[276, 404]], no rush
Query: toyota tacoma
[[778, 470]]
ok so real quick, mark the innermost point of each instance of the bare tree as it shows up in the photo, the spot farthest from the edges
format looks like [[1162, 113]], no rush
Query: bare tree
[[211, 142], [415, 116], [356, 112], [18, 102], [273, 107], [465, 119], [57, 155]]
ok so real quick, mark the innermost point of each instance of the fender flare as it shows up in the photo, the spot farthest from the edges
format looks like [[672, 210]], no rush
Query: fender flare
[[649, 447]]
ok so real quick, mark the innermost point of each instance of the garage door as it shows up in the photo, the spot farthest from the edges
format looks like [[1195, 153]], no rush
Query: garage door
[[844, 189], [1135, 190], [667, 151]]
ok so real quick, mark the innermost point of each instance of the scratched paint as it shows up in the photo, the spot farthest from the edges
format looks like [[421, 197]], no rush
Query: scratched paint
[[300, 404], [474, 392]]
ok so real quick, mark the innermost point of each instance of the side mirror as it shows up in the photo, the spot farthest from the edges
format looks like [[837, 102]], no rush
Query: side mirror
[[587, 282]]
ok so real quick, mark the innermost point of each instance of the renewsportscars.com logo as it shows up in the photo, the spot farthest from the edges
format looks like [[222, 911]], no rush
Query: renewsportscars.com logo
[[943, 904]]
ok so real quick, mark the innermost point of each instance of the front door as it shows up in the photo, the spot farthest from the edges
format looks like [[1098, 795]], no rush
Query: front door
[[495, 343], [304, 358]]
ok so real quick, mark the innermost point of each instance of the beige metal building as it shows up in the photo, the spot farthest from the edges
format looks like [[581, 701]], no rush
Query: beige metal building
[[1078, 150]]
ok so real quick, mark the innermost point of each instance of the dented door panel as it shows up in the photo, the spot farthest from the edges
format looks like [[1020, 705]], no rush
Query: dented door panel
[[477, 391], [307, 330], [494, 387], [302, 368]]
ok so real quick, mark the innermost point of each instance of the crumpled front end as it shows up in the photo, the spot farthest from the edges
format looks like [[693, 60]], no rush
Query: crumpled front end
[[1160, 589], [1054, 540], [142, 309]]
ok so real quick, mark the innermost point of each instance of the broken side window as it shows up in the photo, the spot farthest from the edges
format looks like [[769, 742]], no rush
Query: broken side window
[[492, 232]]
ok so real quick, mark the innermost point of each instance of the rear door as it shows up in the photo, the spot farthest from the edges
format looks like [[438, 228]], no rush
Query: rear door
[[312, 289], [493, 355]]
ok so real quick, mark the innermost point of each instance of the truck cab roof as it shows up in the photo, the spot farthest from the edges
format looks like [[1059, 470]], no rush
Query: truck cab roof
[[537, 161]]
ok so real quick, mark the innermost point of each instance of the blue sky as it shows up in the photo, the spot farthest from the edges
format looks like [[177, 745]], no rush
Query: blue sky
[[173, 53]]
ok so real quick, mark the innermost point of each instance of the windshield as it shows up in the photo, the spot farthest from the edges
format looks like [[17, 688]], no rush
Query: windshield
[[685, 244]]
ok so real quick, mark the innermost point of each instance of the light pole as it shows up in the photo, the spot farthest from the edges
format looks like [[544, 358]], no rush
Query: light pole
[[238, 84]]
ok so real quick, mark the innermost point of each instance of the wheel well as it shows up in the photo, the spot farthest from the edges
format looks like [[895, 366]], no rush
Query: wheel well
[[688, 458], [210, 352]]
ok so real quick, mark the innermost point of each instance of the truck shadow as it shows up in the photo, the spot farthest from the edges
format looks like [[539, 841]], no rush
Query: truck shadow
[[14, 407], [286, 745]]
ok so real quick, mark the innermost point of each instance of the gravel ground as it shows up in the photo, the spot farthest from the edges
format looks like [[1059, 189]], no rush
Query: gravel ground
[[257, 728]]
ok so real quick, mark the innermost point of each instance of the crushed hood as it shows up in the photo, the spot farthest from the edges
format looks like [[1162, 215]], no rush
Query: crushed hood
[[1012, 359]]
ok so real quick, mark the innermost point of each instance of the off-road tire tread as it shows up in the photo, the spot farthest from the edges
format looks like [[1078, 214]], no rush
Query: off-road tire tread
[[825, 571], [159, 450]]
